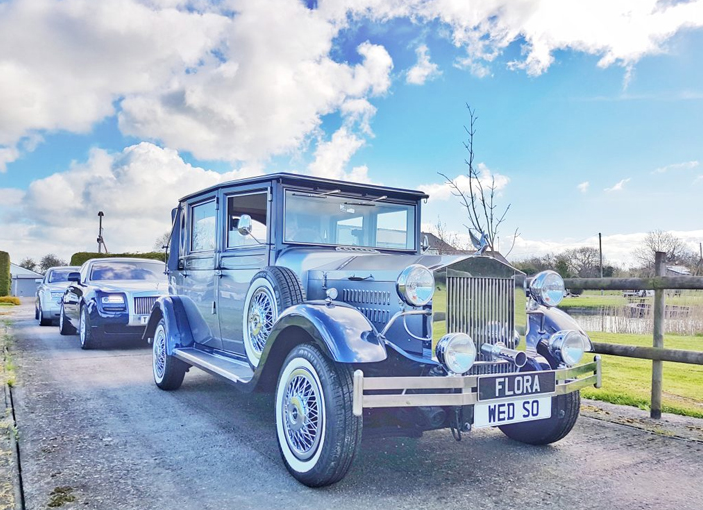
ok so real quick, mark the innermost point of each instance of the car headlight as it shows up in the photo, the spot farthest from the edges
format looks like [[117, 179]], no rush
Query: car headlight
[[547, 288], [56, 295], [457, 352], [416, 285], [112, 299], [569, 346]]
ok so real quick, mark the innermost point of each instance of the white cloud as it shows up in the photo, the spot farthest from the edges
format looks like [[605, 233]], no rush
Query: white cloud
[[688, 165], [247, 79], [443, 191], [332, 157], [64, 64], [618, 186], [424, 69], [136, 189], [583, 187], [617, 248]]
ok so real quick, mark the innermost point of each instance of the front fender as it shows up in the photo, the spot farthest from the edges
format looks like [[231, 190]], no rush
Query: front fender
[[341, 330], [543, 323], [173, 311]]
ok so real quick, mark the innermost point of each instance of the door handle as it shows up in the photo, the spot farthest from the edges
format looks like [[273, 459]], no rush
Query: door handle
[[218, 272]]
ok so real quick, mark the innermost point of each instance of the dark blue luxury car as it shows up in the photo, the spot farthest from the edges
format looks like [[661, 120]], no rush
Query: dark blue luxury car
[[111, 298]]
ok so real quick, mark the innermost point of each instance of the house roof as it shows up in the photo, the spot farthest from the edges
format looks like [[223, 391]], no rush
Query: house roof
[[20, 272]]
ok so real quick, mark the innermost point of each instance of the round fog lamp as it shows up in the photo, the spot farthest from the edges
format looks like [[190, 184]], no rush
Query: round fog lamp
[[569, 346], [416, 285], [457, 352]]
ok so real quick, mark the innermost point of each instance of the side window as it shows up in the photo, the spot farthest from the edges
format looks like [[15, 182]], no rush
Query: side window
[[202, 227], [254, 205]]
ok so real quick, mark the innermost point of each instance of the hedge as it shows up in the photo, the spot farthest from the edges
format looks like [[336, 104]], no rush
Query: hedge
[[5, 278], [10, 300], [77, 259]]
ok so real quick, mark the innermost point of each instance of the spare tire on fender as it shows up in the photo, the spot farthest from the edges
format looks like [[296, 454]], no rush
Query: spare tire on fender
[[271, 291]]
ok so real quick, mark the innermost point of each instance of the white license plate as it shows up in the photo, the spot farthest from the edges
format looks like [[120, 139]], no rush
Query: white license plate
[[143, 319], [492, 414]]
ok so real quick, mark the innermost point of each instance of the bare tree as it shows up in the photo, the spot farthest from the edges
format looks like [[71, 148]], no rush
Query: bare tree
[[29, 263], [480, 200], [583, 262], [50, 260], [659, 240], [162, 241], [449, 241]]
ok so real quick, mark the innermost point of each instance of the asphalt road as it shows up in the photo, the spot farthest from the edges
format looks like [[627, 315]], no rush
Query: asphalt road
[[94, 424]]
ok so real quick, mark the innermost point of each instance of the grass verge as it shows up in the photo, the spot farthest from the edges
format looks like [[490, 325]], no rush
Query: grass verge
[[628, 381]]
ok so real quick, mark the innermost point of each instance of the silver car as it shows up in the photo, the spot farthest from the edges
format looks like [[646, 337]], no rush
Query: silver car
[[47, 303]]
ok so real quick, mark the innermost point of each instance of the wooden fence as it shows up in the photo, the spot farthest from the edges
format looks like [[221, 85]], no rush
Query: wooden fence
[[657, 353]]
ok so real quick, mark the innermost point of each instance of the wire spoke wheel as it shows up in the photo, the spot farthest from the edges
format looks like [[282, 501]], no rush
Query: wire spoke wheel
[[159, 357], [261, 317], [301, 413]]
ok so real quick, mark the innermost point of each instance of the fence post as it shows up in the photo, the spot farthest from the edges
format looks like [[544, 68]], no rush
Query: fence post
[[657, 366]]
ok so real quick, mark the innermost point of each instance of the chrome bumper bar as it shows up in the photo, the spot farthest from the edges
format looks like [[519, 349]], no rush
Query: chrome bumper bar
[[455, 390]]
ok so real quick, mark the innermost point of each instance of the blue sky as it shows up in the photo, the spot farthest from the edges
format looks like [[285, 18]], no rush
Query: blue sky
[[618, 112]]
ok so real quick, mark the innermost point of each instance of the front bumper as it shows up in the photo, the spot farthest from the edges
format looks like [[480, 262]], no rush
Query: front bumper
[[454, 390]]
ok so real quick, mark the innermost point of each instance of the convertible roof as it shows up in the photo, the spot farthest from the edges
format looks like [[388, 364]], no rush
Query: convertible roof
[[318, 182]]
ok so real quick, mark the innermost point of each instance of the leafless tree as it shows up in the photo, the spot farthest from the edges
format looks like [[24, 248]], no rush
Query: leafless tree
[[659, 240], [449, 241], [162, 241], [480, 201], [583, 262], [50, 260], [29, 263]]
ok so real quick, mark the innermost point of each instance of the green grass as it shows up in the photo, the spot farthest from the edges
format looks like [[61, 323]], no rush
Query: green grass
[[628, 381], [614, 299]]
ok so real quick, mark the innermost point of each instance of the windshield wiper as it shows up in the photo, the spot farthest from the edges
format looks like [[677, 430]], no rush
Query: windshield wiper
[[316, 194]]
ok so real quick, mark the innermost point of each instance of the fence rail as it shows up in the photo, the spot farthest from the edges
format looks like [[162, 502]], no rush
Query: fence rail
[[657, 353]]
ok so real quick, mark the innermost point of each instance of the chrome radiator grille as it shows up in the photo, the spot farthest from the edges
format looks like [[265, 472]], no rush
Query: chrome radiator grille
[[142, 305], [483, 308]]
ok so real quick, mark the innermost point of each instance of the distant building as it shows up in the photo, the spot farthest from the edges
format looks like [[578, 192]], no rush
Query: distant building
[[677, 271], [439, 247], [23, 281]]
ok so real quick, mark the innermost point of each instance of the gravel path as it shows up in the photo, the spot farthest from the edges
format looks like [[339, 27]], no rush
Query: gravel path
[[93, 425]]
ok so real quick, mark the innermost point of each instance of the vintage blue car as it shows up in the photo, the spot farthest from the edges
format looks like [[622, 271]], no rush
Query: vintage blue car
[[110, 299], [322, 292], [47, 303]]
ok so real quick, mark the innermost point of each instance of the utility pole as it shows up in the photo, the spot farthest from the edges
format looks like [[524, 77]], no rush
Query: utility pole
[[600, 249], [101, 241]]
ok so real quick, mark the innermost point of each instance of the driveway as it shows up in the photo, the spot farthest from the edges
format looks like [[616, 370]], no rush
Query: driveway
[[94, 426]]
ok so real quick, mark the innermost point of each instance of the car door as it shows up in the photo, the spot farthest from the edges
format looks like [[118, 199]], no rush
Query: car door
[[241, 258], [196, 279]]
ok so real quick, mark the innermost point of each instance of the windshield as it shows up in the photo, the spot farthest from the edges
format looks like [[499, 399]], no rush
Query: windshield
[[59, 275], [150, 271], [330, 219]]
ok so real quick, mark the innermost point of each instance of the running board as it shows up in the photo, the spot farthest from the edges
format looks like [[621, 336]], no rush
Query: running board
[[231, 369]]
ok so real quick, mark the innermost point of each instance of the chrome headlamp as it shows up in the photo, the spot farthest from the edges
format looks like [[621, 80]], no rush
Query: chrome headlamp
[[547, 288], [457, 352], [569, 346], [415, 285]]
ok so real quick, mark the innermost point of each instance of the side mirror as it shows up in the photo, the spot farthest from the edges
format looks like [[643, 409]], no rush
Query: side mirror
[[425, 243], [244, 225], [74, 276]]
